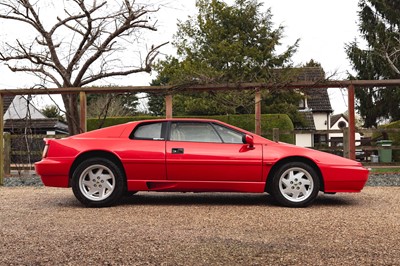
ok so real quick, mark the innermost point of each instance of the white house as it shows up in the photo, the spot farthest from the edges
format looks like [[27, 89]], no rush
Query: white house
[[340, 121], [315, 110]]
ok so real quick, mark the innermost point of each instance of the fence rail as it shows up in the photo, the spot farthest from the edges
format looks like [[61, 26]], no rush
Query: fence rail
[[368, 150], [361, 130], [22, 151]]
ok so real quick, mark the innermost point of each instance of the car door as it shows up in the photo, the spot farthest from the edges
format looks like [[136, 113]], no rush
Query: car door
[[144, 154], [202, 151]]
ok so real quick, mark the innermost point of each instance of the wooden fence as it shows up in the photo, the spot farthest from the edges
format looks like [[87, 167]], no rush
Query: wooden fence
[[22, 151], [367, 146]]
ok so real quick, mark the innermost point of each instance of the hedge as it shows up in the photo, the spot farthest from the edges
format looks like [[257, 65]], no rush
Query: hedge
[[247, 122]]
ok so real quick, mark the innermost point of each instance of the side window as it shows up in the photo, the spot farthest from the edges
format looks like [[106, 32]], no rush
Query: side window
[[229, 135], [194, 131], [151, 131]]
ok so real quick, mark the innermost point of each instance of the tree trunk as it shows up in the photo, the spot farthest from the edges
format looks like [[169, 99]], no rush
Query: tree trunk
[[71, 108]]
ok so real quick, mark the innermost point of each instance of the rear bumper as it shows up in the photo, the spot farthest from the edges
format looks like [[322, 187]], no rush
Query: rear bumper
[[54, 173], [344, 178]]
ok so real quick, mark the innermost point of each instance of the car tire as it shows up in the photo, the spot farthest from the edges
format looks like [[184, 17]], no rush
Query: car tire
[[295, 184], [98, 182], [129, 193]]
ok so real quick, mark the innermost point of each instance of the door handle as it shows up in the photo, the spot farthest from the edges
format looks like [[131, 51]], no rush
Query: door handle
[[177, 150]]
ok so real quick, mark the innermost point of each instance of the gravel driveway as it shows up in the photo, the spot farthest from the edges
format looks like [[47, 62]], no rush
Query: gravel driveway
[[47, 226]]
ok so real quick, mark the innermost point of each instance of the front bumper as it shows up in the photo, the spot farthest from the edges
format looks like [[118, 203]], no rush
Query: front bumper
[[344, 178]]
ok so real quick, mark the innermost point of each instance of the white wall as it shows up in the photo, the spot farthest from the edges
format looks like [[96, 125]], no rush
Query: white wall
[[321, 121]]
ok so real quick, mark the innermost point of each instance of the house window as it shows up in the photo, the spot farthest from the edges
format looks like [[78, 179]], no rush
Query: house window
[[337, 141], [342, 124], [320, 139], [302, 104]]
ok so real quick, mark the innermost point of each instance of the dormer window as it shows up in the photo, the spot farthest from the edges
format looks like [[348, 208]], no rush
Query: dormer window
[[303, 103]]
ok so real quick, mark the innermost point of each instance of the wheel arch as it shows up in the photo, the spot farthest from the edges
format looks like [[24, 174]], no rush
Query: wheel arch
[[291, 159], [95, 153]]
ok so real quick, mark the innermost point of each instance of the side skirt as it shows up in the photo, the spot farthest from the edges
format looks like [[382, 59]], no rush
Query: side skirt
[[195, 186]]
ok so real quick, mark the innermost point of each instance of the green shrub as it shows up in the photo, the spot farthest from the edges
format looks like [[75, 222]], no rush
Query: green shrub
[[95, 123], [247, 122]]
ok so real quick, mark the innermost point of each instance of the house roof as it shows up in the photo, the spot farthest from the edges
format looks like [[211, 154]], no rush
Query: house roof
[[298, 74], [308, 121], [46, 123], [318, 100], [7, 100], [310, 74], [21, 107], [335, 118]]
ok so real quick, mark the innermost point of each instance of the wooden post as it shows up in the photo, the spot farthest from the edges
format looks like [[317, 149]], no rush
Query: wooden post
[[346, 146], [83, 120], [7, 153], [275, 134], [168, 106], [1, 140], [352, 124], [258, 112]]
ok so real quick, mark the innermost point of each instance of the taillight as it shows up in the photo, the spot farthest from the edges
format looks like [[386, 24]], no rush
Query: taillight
[[46, 148]]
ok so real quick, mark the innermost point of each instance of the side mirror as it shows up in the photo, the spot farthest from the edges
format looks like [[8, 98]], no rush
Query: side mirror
[[247, 139]]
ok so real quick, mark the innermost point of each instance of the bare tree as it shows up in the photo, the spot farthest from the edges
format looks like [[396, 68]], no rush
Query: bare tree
[[392, 55], [90, 41], [110, 104]]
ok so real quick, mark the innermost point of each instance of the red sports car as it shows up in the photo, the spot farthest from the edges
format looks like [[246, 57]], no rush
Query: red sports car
[[196, 155]]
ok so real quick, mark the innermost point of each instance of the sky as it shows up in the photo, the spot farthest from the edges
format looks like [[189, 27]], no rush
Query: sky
[[323, 27]]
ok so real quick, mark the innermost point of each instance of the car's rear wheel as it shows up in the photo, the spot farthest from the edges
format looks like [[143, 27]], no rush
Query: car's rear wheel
[[98, 182], [295, 184]]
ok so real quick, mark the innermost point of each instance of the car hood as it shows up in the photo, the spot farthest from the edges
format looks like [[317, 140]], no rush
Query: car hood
[[288, 150]]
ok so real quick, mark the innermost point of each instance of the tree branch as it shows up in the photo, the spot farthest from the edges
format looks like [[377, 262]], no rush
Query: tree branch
[[105, 45], [147, 68], [391, 63], [81, 46], [86, 13]]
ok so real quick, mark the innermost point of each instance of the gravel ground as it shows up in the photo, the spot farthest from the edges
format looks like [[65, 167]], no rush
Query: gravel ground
[[48, 226]]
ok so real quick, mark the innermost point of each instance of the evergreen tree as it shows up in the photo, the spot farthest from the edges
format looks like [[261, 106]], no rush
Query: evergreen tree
[[223, 43], [52, 111], [379, 26]]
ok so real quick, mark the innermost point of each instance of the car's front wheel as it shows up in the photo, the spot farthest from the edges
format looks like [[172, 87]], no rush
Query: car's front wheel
[[98, 182], [295, 184]]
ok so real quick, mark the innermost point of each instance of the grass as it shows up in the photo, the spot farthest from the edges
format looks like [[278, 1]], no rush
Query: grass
[[382, 170]]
